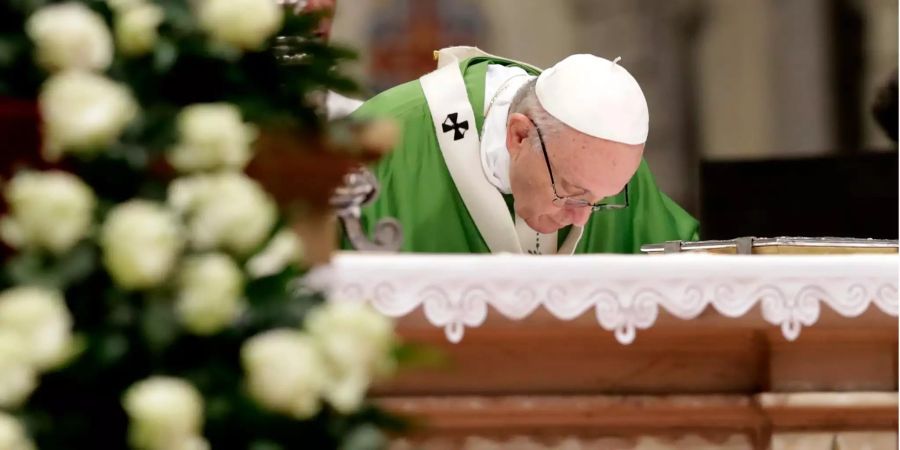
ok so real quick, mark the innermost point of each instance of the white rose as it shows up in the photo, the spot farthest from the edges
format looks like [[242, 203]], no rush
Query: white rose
[[122, 5], [83, 113], [135, 28], [353, 336], [224, 211], [70, 36], [17, 377], [210, 293], [141, 242], [246, 24], [285, 372], [285, 248], [12, 434], [347, 393], [186, 194], [357, 343], [187, 443], [212, 136], [165, 413], [51, 210], [41, 320]]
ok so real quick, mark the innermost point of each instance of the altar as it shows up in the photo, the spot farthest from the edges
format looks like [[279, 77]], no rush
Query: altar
[[619, 352]]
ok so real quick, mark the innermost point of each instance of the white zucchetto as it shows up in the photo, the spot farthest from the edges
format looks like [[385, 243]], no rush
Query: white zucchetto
[[597, 97]]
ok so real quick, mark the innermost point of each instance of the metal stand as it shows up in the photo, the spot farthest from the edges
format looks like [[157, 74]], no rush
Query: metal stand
[[359, 189]]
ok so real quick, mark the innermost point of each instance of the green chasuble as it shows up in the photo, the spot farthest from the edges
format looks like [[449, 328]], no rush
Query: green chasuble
[[417, 188]]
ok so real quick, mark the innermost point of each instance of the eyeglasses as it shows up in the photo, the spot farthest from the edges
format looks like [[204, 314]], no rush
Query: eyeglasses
[[573, 202]]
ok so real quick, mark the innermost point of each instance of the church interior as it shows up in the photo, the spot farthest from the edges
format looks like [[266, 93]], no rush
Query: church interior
[[449, 224]]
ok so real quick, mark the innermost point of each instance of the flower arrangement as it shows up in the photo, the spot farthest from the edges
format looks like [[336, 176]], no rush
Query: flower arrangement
[[148, 293]]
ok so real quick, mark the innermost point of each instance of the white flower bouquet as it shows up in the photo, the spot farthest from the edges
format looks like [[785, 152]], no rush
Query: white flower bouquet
[[148, 289]]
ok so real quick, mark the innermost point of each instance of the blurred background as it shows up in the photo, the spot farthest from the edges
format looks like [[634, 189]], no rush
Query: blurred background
[[761, 116]]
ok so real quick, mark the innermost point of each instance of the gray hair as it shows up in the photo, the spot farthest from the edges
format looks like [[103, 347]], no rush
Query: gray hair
[[526, 102]]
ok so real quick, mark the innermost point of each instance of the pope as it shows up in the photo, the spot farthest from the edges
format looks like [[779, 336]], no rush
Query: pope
[[498, 156]]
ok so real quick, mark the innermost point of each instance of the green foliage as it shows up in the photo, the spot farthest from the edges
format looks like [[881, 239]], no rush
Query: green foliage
[[187, 67]]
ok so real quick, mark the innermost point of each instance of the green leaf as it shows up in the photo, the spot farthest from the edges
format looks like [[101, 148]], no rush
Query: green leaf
[[111, 348], [164, 55], [410, 355], [38, 269], [28, 6], [276, 301], [364, 437], [8, 51], [178, 17], [25, 268], [121, 314], [77, 264], [266, 445], [159, 325]]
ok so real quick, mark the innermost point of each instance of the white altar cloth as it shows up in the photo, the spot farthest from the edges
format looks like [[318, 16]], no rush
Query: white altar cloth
[[624, 292]]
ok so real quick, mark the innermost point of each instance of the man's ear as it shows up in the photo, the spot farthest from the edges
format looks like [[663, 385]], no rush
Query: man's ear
[[518, 127]]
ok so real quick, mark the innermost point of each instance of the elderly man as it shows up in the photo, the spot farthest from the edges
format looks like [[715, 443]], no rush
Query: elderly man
[[497, 156]]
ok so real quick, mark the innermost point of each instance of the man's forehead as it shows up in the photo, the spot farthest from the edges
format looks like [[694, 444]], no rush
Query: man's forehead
[[595, 162], [579, 142]]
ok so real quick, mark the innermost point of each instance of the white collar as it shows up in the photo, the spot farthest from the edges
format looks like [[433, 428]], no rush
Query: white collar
[[500, 86]]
